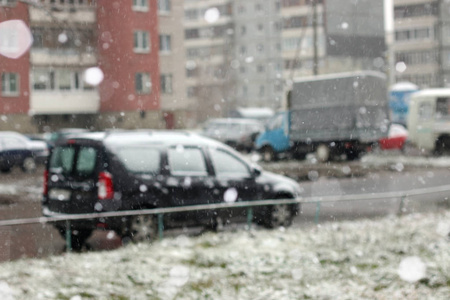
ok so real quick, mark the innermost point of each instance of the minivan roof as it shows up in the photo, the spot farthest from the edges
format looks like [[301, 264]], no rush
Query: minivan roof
[[233, 121], [157, 137]]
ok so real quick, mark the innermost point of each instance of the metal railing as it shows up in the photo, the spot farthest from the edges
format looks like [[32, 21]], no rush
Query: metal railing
[[318, 201]]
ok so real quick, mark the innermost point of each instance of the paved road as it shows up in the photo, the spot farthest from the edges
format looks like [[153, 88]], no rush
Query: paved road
[[20, 198]]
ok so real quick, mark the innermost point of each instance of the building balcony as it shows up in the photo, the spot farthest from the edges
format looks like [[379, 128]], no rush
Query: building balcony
[[64, 102], [65, 14], [69, 57]]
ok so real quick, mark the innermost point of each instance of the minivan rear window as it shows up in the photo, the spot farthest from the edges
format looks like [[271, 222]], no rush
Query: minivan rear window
[[72, 160]]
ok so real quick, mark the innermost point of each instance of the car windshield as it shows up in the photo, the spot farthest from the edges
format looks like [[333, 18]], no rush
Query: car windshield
[[224, 149]]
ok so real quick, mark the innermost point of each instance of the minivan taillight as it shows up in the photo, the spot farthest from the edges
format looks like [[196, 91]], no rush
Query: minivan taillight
[[45, 192], [105, 186]]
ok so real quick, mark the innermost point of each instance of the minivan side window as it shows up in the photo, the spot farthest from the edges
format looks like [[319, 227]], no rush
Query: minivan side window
[[186, 161], [140, 159], [226, 165]]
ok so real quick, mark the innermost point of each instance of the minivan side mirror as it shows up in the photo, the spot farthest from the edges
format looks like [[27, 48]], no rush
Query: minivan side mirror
[[256, 171]]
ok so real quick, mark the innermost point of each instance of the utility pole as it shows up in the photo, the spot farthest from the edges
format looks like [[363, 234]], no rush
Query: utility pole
[[315, 46]]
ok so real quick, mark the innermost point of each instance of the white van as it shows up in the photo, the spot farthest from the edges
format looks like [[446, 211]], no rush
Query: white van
[[429, 120]]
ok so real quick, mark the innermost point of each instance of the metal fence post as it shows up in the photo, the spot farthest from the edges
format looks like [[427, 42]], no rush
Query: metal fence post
[[249, 217], [68, 237], [401, 206], [316, 217], [160, 226]]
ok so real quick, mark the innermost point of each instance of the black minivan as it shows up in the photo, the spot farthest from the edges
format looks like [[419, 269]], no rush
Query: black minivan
[[135, 170]]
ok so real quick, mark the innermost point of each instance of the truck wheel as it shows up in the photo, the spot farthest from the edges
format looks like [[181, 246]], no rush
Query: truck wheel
[[352, 155], [323, 153], [5, 169], [268, 154], [299, 155], [442, 146]]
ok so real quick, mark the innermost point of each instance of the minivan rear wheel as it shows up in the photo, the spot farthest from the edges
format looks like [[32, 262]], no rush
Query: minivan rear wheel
[[78, 237], [141, 228]]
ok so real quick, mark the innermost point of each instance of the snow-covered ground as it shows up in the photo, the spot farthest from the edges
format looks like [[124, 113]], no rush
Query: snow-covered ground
[[390, 258]]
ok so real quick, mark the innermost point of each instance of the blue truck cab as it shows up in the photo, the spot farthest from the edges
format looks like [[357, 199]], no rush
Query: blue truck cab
[[275, 138]]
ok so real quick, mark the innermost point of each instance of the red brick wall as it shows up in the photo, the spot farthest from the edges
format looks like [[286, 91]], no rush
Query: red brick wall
[[116, 23], [19, 104]]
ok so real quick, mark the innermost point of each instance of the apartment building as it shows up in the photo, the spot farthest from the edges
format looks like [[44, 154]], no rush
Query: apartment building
[[179, 111], [422, 42], [45, 88], [233, 52], [303, 38], [257, 62], [332, 36], [209, 44]]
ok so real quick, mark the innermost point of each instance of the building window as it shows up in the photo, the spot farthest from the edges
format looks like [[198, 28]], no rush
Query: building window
[[62, 80], [244, 90], [165, 43], [141, 42], [416, 10], [164, 6], [142, 83], [191, 14], [10, 84], [260, 47], [140, 5], [262, 90], [191, 92], [415, 34], [43, 80], [7, 2], [166, 83], [243, 30]]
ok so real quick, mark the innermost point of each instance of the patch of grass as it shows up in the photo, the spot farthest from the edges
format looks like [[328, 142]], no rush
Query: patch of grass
[[201, 285], [367, 266], [205, 263]]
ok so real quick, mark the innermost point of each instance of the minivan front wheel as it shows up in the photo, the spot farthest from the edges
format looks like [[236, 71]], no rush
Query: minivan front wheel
[[279, 216], [141, 228]]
